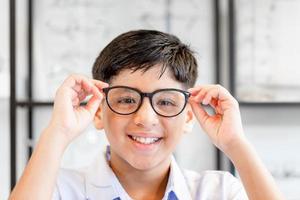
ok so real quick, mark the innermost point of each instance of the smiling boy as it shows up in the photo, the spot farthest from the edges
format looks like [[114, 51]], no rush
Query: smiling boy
[[143, 96]]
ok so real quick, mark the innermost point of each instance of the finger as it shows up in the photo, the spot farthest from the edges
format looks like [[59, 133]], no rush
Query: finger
[[77, 88], [99, 84], [199, 112], [207, 99], [70, 81], [222, 97], [73, 80], [200, 92], [82, 95], [66, 93], [79, 82], [80, 90], [214, 103], [198, 97], [82, 86], [90, 88], [75, 101], [93, 104], [213, 92], [203, 95], [194, 90], [212, 98], [221, 93]]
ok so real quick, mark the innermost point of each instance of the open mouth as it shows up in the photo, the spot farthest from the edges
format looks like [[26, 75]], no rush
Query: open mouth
[[145, 140]]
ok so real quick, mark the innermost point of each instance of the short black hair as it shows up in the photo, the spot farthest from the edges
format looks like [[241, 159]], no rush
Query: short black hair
[[141, 50]]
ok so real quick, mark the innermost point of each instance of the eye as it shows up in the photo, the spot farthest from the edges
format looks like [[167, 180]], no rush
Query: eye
[[166, 102], [126, 100]]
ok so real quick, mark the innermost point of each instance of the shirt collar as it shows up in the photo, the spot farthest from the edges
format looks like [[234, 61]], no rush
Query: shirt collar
[[100, 178], [100, 175], [176, 183]]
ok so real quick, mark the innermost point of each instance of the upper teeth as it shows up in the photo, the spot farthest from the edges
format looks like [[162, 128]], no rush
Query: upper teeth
[[145, 140]]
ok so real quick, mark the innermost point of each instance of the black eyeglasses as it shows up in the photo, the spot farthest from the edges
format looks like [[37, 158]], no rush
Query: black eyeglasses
[[124, 100]]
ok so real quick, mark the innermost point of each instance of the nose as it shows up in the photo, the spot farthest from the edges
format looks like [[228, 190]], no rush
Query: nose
[[145, 116]]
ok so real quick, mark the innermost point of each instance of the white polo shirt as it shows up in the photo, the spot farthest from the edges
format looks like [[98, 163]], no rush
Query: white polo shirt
[[98, 182]]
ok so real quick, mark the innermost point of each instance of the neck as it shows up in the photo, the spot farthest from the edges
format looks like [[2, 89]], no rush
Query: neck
[[141, 184]]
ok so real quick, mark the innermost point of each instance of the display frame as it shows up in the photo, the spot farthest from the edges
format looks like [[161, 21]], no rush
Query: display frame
[[234, 67]]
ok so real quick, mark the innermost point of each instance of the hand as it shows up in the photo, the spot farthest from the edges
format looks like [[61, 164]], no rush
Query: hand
[[69, 118], [224, 127]]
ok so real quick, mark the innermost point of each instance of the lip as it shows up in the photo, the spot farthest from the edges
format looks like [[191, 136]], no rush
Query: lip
[[144, 134]]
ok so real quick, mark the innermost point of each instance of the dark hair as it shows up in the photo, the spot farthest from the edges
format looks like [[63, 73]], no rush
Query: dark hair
[[141, 50]]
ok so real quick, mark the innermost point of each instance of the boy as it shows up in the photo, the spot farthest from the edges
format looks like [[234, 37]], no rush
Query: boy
[[143, 96]]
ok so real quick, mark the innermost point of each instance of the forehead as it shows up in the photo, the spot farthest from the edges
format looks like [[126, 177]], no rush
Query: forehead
[[147, 81]]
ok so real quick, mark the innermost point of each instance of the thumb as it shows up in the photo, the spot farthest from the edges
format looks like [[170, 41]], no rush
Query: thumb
[[199, 112], [93, 104]]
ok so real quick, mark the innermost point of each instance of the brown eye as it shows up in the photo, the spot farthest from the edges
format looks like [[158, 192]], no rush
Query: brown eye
[[126, 100], [165, 103]]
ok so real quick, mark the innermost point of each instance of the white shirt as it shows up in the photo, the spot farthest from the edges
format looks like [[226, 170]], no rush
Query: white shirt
[[98, 181]]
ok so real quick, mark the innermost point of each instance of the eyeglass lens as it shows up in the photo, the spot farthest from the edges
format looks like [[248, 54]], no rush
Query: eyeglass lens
[[126, 101]]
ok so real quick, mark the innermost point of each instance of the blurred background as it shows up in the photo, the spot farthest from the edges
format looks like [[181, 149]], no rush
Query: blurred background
[[250, 47]]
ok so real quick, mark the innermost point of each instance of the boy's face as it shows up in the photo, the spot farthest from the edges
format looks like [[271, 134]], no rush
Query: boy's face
[[145, 124]]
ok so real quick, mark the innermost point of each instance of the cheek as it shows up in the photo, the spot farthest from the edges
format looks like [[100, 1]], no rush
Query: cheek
[[110, 121], [114, 124], [174, 127]]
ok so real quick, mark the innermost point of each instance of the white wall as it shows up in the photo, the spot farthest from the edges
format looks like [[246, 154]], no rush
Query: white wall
[[275, 133]]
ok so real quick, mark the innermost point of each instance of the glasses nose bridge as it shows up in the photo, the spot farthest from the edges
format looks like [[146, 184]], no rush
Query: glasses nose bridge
[[145, 94]]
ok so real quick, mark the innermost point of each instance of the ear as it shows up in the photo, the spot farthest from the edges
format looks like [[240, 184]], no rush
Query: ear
[[98, 118], [189, 120]]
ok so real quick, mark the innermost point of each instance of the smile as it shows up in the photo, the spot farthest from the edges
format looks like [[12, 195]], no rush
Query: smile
[[145, 140]]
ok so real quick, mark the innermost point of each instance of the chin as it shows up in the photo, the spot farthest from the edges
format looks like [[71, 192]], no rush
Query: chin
[[143, 164]]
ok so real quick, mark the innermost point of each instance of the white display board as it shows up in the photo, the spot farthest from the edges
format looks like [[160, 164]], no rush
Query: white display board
[[193, 22], [278, 146], [68, 35], [267, 50]]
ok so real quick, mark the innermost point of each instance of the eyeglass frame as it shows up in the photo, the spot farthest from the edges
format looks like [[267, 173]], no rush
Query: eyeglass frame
[[146, 94]]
